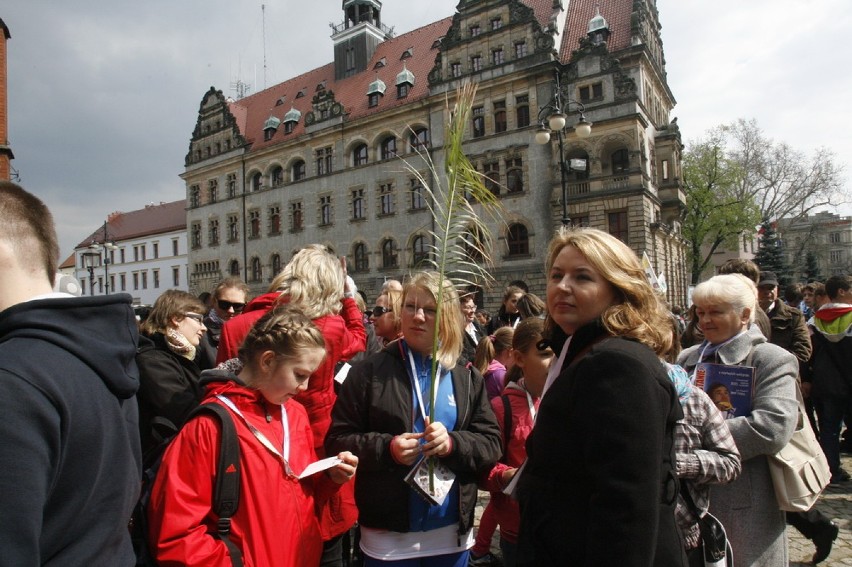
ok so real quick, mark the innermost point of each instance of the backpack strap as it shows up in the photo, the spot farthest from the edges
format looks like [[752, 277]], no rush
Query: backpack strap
[[226, 492]]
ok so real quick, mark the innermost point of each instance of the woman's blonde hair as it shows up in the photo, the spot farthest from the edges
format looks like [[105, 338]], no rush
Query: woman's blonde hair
[[450, 322], [313, 279], [172, 304], [638, 313], [285, 330], [489, 347], [394, 301], [735, 290]]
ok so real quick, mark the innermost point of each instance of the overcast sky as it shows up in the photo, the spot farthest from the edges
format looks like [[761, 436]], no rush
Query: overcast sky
[[104, 94]]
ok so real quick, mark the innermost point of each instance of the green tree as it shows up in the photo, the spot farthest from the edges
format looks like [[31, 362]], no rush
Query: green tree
[[811, 271], [716, 212], [770, 253], [735, 176]]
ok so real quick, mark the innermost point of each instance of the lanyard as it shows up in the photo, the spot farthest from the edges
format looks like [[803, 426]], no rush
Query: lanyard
[[416, 384], [553, 373], [530, 403], [284, 455]]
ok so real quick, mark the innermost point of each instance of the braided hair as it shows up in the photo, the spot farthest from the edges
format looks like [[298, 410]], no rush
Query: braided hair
[[285, 330]]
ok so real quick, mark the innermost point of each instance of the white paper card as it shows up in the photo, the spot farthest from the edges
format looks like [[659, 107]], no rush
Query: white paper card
[[342, 373], [320, 465], [418, 479]]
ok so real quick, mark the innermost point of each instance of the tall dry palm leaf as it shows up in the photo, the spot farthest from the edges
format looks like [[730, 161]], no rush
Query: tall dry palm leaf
[[463, 210]]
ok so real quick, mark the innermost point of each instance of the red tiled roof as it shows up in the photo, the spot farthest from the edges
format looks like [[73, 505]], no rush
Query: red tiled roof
[[153, 219], [252, 111], [69, 262], [617, 14]]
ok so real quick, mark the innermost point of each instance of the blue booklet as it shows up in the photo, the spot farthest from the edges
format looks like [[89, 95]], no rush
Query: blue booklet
[[730, 387]]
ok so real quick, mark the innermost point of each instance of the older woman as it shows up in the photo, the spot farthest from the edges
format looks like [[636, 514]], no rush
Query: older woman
[[599, 485], [383, 416], [168, 374], [747, 507]]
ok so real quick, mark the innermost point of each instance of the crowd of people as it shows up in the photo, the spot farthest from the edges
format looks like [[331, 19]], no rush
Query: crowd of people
[[365, 430]]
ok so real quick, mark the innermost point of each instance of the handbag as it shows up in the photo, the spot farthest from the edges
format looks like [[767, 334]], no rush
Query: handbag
[[715, 548], [800, 471]]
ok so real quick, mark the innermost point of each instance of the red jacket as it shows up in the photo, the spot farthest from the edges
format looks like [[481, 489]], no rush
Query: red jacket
[[275, 524], [344, 336], [506, 507], [235, 330]]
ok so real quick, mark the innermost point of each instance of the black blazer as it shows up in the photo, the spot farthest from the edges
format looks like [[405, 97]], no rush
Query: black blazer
[[468, 344], [599, 486]]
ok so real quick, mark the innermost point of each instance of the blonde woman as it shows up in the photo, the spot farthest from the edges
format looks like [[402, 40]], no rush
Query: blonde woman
[[599, 485], [382, 415]]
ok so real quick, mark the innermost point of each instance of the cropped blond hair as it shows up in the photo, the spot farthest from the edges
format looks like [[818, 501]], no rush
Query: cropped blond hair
[[450, 318]]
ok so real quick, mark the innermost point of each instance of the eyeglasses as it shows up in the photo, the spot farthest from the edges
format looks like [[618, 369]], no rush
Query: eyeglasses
[[225, 305], [378, 311], [195, 316]]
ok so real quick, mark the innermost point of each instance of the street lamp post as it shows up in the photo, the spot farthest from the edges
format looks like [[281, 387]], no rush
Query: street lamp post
[[91, 260], [108, 246], [552, 118]]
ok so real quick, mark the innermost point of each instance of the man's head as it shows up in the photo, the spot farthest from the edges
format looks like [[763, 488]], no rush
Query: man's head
[[839, 289], [28, 245], [820, 297], [767, 290], [808, 295], [746, 268], [793, 295]]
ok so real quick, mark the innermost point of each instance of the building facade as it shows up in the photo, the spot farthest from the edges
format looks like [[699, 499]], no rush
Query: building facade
[[328, 156], [827, 236], [141, 252]]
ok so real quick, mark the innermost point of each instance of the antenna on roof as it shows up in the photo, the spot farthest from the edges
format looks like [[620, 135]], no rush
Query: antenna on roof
[[263, 11], [239, 86]]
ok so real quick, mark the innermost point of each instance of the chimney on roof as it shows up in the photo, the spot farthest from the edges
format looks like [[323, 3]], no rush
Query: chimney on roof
[[6, 156], [113, 215]]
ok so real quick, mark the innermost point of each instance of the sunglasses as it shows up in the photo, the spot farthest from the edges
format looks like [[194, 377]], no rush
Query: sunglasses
[[195, 316], [378, 311], [225, 305]]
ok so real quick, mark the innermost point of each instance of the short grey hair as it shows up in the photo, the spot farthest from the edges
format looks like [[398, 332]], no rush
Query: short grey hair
[[735, 290]]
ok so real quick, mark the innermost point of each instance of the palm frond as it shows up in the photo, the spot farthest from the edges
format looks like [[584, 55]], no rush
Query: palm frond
[[463, 211]]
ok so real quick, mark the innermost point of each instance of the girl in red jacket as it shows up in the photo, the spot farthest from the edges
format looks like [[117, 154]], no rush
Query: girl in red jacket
[[524, 384], [275, 524]]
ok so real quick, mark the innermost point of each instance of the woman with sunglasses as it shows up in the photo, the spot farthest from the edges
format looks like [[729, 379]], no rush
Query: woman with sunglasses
[[169, 376], [385, 316], [228, 301]]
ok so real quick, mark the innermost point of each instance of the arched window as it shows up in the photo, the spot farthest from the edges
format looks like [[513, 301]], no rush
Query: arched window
[[234, 268], [256, 182], [418, 140], [277, 176], [518, 240], [620, 161], [359, 155], [388, 148], [298, 170], [419, 251], [275, 263], [362, 259], [256, 271], [515, 175], [388, 254]]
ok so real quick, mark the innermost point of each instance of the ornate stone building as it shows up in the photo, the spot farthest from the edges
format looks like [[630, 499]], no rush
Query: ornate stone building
[[324, 156]]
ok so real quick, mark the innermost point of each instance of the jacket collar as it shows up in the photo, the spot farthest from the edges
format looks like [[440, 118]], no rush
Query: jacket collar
[[732, 352]]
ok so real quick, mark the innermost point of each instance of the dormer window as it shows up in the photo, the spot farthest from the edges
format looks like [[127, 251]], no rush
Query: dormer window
[[402, 90], [300, 94], [269, 127], [291, 119], [380, 63], [280, 101], [407, 54], [321, 86], [375, 92], [404, 82]]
